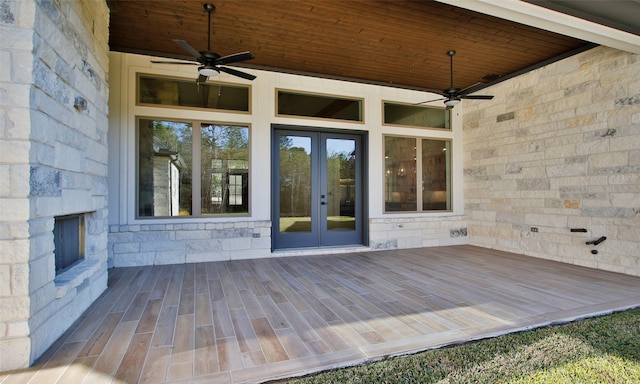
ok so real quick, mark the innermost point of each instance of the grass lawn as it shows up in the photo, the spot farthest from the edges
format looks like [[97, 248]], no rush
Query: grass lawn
[[598, 350]]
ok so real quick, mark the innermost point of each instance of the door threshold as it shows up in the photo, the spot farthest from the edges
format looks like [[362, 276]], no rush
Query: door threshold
[[319, 250]]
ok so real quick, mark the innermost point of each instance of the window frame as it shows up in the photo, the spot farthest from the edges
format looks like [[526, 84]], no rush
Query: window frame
[[418, 180], [384, 102], [196, 186], [210, 82], [319, 94]]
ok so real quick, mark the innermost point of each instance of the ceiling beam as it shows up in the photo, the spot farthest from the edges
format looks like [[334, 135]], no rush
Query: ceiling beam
[[553, 21]]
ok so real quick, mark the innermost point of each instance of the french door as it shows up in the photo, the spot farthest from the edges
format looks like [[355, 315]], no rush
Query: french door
[[317, 197]]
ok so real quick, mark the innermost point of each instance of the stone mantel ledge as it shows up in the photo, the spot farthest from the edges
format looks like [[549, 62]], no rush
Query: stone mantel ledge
[[75, 276]]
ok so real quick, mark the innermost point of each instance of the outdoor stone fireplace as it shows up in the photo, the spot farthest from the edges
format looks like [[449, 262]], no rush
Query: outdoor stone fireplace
[[53, 170]]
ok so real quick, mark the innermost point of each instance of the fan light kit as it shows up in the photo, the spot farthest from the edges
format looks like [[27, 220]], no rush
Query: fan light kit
[[208, 71], [210, 62], [452, 102], [453, 96]]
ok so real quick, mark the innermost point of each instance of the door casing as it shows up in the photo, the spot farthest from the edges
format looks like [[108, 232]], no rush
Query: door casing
[[318, 238]]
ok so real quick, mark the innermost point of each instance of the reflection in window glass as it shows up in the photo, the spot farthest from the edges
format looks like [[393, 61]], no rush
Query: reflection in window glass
[[400, 173], [416, 115], [432, 176], [295, 184], [328, 107], [341, 184], [436, 175], [236, 190], [164, 168], [225, 169], [186, 93], [165, 172]]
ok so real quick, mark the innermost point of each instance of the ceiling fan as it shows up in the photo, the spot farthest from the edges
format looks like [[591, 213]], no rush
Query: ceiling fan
[[210, 63], [453, 96]]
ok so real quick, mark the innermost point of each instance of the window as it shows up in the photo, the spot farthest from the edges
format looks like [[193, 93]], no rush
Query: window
[[171, 155], [417, 174], [68, 235], [225, 169], [320, 106], [186, 93], [416, 116]]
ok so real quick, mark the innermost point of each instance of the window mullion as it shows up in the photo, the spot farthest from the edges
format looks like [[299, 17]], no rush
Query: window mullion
[[196, 177]]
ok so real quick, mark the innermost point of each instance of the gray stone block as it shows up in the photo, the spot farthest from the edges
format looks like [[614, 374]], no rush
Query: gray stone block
[[533, 184], [44, 181]]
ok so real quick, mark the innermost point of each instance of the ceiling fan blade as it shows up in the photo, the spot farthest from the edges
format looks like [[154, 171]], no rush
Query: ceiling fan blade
[[236, 73], [430, 101], [468, 89], [188, 48], [174, 62], [476, 97], [236, 57]]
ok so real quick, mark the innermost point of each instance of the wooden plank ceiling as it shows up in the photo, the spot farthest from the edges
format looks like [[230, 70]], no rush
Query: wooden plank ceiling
[[397, 43]]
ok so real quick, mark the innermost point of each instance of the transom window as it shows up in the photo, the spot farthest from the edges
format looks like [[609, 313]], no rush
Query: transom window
[[187, 93], [188, 168], [417, 174], [291, 103], [421, 116]]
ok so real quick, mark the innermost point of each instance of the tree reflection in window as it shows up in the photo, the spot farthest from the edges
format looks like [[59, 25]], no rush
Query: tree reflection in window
[[225, 169], [165, 170], [295, 184]]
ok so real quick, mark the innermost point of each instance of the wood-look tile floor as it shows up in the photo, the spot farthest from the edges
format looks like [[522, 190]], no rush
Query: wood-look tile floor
[[257, 320]]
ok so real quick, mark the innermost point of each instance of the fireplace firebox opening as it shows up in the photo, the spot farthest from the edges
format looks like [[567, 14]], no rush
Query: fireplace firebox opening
[[69, 237]]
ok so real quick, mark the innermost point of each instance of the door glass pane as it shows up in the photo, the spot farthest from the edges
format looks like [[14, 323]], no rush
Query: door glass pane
[[436, 175], [400, 174], [164, 168], [225, 169], [341, 185], [295, 184]]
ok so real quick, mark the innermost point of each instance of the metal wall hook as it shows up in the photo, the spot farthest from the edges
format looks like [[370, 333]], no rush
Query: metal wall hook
[[596, 242]]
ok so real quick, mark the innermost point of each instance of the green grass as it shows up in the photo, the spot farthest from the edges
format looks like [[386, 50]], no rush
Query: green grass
[[598, 350]]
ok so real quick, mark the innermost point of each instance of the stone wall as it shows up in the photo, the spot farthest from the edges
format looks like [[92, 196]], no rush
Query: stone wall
[[53, 153], [417, 232], [157, 244], [559, 148]]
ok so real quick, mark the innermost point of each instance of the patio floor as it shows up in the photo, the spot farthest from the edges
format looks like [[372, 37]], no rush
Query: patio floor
[[256, 320]]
